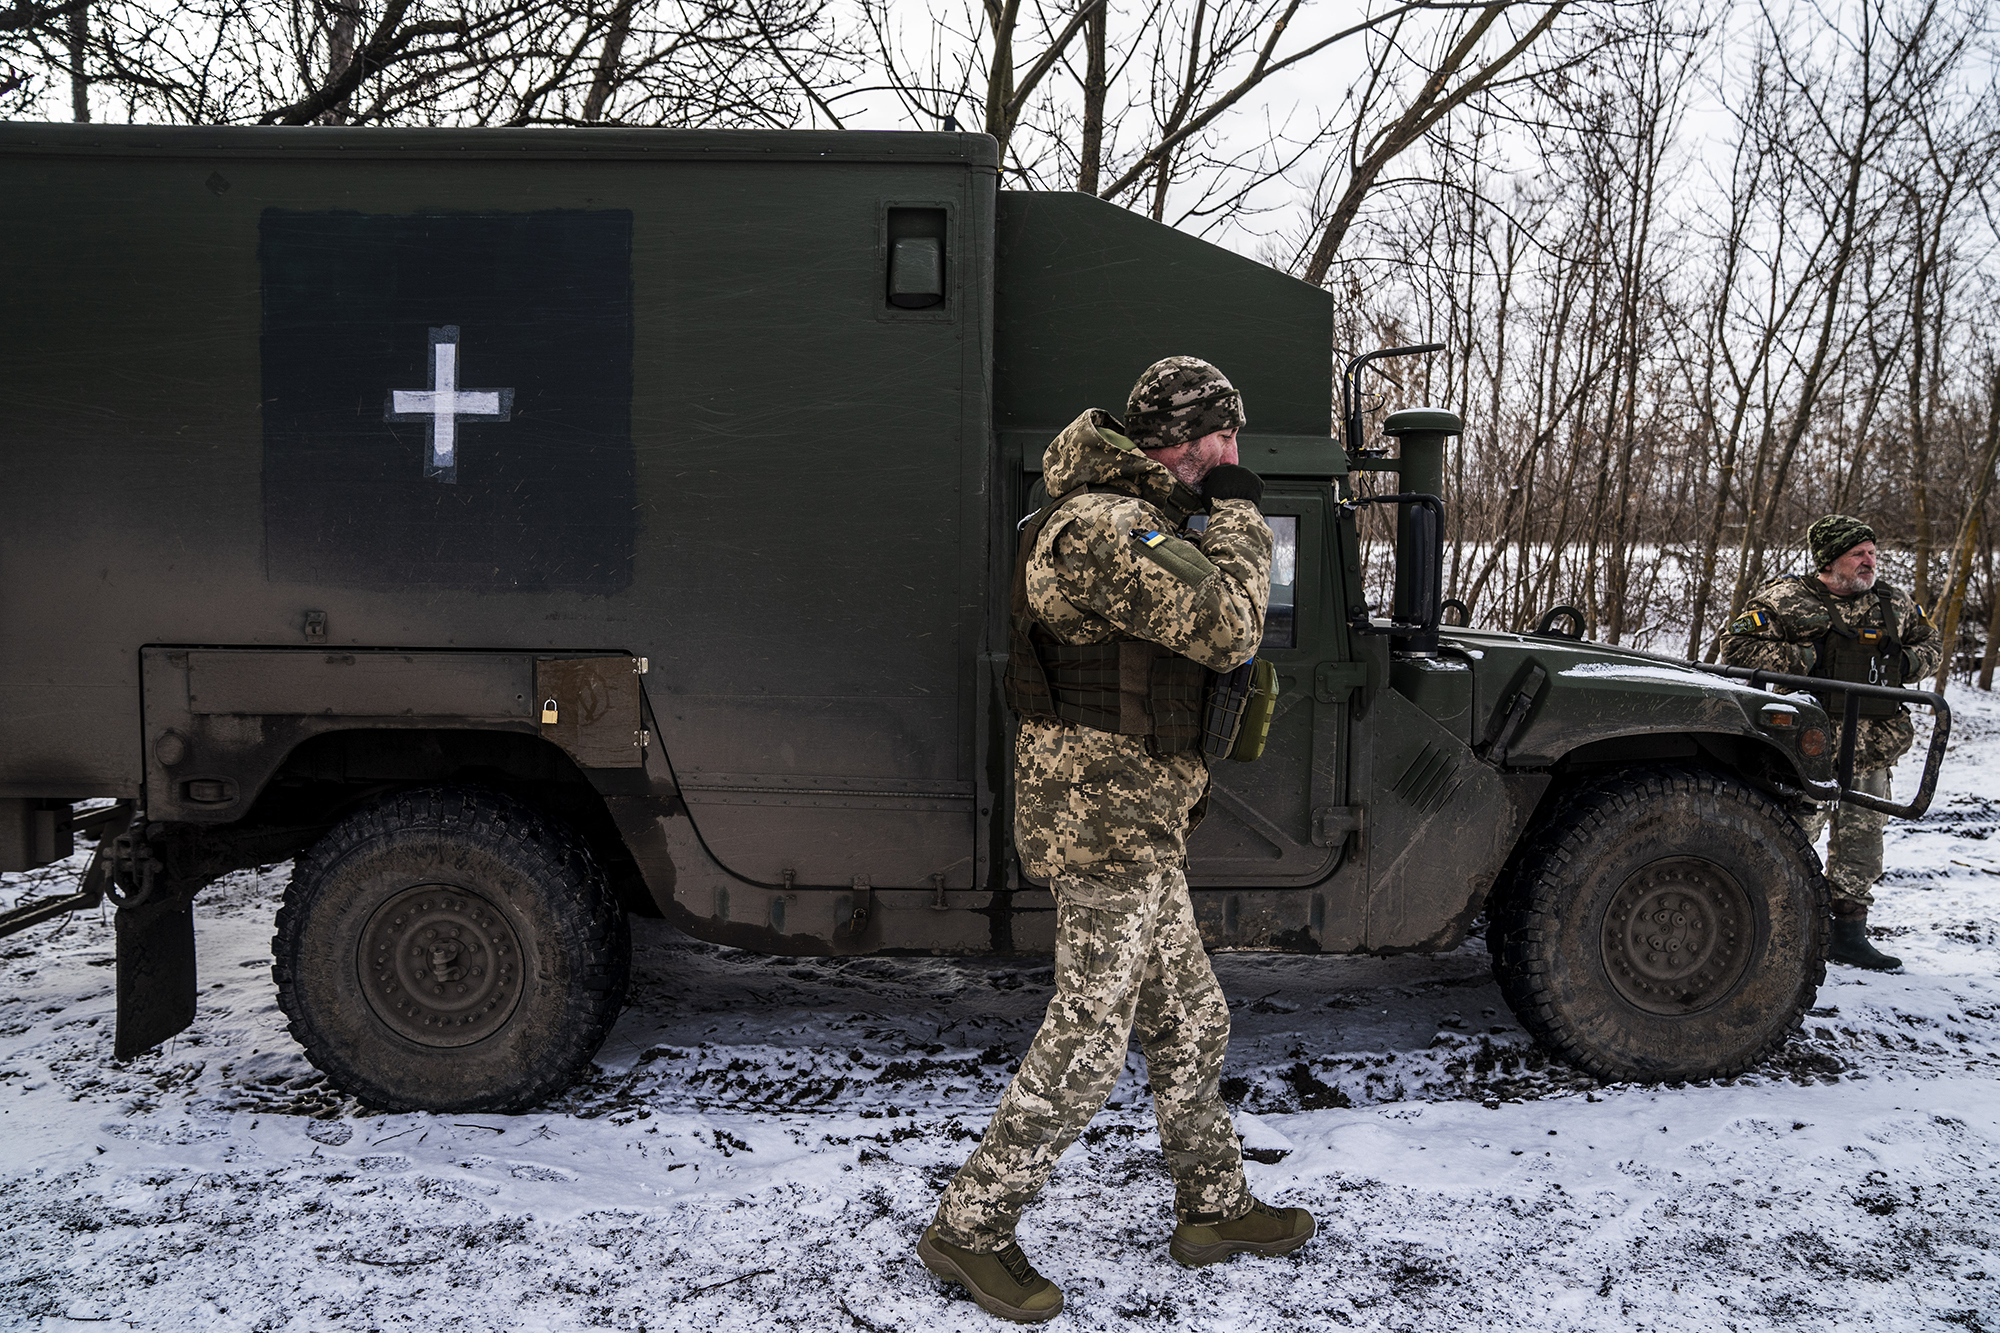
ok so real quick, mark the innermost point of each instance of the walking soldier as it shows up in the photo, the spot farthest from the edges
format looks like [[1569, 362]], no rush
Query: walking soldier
[[1120, 614], [1840, 623]]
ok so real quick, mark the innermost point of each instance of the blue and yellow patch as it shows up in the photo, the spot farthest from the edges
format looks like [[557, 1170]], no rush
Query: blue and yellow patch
[[1751, 621], [1148, 539]]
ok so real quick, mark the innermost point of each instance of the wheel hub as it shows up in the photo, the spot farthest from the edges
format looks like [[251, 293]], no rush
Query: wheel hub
[[1678, 935], [440, 966]]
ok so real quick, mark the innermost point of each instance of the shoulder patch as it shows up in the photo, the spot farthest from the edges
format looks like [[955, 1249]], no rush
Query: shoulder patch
[[1182, 559], [1751, 621]]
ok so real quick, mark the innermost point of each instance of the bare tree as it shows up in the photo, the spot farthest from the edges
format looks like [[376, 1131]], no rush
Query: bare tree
[[1960, 577], [1462, 69], [479, 62]]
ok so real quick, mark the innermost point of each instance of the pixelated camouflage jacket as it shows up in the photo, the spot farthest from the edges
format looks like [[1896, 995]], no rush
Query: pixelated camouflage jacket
[[1782, 624], [1097, 572], [1095, 814]]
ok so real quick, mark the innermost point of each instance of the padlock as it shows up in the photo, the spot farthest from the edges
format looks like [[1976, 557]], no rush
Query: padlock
[[548, 712]]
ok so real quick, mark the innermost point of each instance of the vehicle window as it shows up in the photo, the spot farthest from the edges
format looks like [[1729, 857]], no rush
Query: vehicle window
[[1281, 625]]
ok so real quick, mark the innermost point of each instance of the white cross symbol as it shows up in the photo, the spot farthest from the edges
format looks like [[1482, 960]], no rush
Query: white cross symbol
[[440, 406]]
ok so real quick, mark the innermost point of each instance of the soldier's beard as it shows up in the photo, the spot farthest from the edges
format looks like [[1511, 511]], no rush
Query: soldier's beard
[[1844, 586]]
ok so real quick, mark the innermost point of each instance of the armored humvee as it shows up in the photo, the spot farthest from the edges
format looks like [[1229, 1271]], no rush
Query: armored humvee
[[523, 529]]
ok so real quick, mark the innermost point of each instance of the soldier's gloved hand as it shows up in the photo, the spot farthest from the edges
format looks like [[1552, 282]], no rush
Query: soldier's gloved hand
[[1232, 481], [1912, 665]]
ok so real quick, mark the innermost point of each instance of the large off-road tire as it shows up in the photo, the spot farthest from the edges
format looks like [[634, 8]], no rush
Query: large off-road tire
[[1663, 924], [450, 949]]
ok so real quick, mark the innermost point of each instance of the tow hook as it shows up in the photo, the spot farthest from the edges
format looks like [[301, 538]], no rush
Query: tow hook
[[135, 868]]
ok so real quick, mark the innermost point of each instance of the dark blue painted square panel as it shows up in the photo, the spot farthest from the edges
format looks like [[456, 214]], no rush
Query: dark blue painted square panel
[[447, 399]]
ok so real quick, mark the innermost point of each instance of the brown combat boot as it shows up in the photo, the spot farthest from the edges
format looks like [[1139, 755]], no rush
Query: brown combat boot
[[1003, 1283], [1207, 1239], [1851, 944]]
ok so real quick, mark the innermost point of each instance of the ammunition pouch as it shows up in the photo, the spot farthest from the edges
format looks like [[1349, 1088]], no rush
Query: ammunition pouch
[[1241, 703]]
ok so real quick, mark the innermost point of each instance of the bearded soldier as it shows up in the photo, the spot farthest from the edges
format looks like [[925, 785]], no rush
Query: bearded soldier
[[1841, 624], [1120, 615]]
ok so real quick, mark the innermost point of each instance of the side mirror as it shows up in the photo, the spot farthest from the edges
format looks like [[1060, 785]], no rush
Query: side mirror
[[1419, 603], [1423, 572]]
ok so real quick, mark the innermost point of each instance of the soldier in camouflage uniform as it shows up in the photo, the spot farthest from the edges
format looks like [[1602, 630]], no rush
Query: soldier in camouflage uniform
[[1103, 813], [1840, 623]]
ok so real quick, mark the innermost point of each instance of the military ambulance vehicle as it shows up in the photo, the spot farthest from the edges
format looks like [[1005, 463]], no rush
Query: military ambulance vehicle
[[525, 529]]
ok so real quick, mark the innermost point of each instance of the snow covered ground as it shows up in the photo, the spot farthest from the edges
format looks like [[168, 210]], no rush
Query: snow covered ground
[[764, 1138]]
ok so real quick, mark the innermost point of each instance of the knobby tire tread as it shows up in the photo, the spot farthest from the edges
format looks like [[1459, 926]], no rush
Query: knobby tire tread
[[545, 849], [1525, 925]]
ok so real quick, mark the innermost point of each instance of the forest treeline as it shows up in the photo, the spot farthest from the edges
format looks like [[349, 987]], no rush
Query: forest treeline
[[1746, 279], [1705, 268]]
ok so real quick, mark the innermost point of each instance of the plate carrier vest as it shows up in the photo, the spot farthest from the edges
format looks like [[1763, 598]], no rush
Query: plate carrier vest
[[1128, 686], [1865, 657]]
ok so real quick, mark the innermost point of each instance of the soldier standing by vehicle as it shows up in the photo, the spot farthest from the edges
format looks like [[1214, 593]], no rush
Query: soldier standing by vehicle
[[1118, 619], [1840, 623]]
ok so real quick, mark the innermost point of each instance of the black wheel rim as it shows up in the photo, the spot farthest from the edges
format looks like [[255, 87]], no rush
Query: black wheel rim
[[1678, 936], [440, 966]]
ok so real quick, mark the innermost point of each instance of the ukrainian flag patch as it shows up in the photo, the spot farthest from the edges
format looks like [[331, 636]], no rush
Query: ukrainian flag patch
[[1756, 618], [1148, 539]]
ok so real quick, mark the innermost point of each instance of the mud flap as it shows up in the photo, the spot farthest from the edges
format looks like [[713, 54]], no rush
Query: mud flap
[[155, 973]]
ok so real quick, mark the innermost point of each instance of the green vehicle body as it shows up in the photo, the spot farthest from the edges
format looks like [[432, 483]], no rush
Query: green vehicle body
[[758, 578]]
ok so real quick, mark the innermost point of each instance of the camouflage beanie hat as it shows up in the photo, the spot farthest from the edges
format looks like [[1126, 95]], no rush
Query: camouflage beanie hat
[[1179, 399], [1834, 536]]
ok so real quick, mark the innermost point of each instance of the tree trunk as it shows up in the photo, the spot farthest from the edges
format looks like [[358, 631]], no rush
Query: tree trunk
[[1002, 14], [1968, 534], [340, 54], [605, 81], [79, 72], [1992, 619], [1091, 151], [1920, 582]]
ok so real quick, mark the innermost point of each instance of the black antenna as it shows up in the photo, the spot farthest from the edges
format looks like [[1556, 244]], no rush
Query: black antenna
[[1350, 389]]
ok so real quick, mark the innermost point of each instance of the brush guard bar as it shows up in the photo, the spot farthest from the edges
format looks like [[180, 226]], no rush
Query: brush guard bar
[[1844, 765]]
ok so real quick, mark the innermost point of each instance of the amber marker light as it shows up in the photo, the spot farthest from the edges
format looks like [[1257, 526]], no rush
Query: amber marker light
[[1812, 741]]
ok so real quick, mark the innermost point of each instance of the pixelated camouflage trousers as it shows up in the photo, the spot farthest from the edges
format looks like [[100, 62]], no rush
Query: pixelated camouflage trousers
[[1128, 956], [1854, 851]]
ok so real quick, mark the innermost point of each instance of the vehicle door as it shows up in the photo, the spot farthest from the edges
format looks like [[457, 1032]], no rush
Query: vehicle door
[[1268, 821]]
